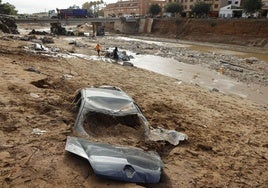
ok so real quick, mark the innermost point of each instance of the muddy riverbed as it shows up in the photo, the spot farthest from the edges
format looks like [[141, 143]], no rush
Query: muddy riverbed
[[227, 144], [230, 69]]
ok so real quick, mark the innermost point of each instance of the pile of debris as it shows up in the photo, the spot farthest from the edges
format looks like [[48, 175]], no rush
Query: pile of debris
[[8, 25], [57, 29], [122, 55], [34, 32]]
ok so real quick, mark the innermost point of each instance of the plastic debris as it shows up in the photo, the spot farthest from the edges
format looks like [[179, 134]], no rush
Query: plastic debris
[[38, 131], [34, 95], [172, 136]]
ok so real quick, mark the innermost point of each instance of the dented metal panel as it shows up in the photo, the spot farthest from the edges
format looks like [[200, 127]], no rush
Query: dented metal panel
[[116, 162]]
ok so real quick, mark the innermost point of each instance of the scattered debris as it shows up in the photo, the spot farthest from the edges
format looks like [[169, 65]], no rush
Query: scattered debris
[[67, 76], [77, 44], [47, 40], [34, 32], [43, 83], [215, 90], [233, 66], [116, 162], [122, 56], [40, 47], [57, 29], [172, 136], [38, 131], [128, 64], [34, 95], [251, 60], [37, 41], [31, 69], [55, 49]]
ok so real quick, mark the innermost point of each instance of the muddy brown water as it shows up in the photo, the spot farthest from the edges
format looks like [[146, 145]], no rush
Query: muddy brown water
[[202, 76], [261, 54]]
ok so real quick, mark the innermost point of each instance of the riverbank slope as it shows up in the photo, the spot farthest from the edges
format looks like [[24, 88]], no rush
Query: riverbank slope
[[246, 32], [227, 144]]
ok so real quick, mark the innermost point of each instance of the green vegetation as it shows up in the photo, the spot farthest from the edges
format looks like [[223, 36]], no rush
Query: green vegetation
[[94, 8], [6, 8], [252, 6], [201, 9], [155, 9], [174, 8]]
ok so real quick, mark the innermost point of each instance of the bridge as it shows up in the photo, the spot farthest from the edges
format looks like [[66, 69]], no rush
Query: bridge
[[75, 20], [127, 22]]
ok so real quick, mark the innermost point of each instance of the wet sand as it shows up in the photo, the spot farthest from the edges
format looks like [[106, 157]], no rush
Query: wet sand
[[227, 144]]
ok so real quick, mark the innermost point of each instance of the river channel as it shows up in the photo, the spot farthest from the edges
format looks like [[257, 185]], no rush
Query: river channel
[[198, 74]]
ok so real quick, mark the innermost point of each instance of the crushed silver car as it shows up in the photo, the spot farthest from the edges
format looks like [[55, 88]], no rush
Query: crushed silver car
[[114, 102], [116, 162]]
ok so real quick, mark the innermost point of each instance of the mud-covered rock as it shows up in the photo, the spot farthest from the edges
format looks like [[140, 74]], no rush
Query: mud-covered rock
[[47, 40], [34, 32], [8, 25], [57, 29]]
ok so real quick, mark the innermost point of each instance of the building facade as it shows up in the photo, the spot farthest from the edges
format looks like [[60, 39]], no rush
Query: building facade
[[141, 7], [234, 2], [215, 4], [131, 7]]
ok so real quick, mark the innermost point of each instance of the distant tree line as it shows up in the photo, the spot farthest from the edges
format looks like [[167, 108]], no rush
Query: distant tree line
[[95, 8], [7, 8]]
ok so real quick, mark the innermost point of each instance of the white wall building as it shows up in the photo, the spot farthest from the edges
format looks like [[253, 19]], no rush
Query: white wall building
[[230, 11]]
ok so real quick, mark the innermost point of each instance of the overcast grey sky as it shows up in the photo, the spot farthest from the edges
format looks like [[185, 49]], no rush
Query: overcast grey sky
[[32, 6]]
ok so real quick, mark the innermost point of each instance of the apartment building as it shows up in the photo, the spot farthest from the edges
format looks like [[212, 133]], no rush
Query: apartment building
[[141, 7], [215, 4], [131, 7]]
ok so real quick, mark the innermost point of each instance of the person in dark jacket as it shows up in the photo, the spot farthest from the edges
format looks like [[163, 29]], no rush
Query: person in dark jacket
[[115, 53]]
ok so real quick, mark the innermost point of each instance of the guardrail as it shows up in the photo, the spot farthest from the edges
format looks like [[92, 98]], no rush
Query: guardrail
[[69, 20]]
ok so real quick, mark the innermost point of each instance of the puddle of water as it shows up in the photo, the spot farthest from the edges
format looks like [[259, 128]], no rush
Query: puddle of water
[[204, 77]]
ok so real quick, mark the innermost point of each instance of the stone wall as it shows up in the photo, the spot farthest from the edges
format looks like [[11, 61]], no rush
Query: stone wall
[[126, 27], [236, 31]]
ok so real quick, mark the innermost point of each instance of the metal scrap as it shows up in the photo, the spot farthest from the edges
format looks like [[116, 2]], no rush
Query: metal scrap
[[117, 162], [113, 101]]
